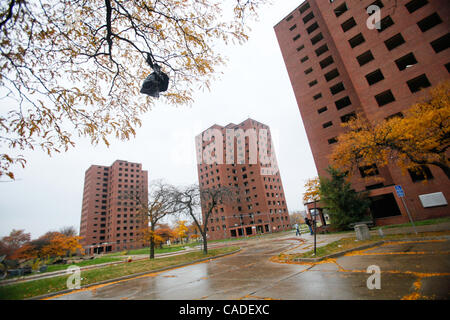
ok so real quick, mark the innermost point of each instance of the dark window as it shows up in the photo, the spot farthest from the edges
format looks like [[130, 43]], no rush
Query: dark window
[[327, 124], [342, 103], [440, 44], [415, 5], [331, 75], [386, 22], [395, 115], [312, 83], [289, 18], [341, 9], [293, 27], [301, 47], [374, 77], [347, 25], [375, 186], [418, 83], [309, 70], [420, 173], [347, 117], [326, 62], [356, 40], [377, 3], [394, 42], [321, 49], [447, 66], [321, 110], [365, 58], [332, 140], [296, 37], [337, 88], [405, 61], [384, 206], [384, 98], [304, 7], [316, 38], [317, 96], [429, 22], [308, 17], [368, 171], [305, 58], [312, 27]]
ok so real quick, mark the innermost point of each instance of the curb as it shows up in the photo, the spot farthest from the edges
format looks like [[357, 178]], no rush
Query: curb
[[341, 253], [130, 276]]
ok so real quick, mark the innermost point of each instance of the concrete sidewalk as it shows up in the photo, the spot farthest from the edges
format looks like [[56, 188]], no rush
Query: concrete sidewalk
[[324, 239]]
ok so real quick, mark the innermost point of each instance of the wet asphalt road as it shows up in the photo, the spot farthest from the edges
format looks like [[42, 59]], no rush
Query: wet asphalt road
[[409, 270]]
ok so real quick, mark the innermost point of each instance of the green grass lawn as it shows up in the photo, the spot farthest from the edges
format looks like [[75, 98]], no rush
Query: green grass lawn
[[84, 263], [57, 267], [146, 250], [417, 223], [43, 286]]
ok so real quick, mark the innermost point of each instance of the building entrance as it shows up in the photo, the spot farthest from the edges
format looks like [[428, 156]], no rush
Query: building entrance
[[384, 206]]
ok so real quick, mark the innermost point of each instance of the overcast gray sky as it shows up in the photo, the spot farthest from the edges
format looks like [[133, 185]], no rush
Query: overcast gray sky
[[47, 194]]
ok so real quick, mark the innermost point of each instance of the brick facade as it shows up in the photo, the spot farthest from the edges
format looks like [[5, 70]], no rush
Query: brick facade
[[110, 222], [338, 66], [260, 207]]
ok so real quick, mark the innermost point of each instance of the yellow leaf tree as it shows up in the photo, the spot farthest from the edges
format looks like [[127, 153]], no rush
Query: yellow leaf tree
[[312, 192], [61, 245], [146, 235], [181, 230], [75, 67], [421, 136]]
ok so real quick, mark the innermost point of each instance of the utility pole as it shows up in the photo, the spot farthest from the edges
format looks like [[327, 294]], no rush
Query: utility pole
[[315, 225]]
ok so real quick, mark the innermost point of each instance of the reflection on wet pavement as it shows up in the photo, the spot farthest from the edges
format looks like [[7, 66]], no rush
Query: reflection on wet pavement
[[409, 270]]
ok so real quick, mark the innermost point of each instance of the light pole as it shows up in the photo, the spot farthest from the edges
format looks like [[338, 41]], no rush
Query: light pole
[[315, 225]]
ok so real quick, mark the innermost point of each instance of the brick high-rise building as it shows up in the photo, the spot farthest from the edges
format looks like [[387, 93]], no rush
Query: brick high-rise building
[[338, 67], [110, 221], [260, 207]]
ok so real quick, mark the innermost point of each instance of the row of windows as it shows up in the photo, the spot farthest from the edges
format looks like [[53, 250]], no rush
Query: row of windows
[[419, 173], [415, 84], [127, 163], [224, 226]]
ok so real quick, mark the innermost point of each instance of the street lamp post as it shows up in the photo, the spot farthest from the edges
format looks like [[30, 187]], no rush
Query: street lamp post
[[315, 226]]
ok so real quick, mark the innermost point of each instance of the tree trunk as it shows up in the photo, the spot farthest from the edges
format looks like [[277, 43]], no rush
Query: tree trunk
[[152, 249], [205, 244]]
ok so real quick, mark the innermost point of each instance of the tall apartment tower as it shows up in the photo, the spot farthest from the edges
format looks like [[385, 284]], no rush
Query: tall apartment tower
[[260, 205], [338, 67], [110, 221]]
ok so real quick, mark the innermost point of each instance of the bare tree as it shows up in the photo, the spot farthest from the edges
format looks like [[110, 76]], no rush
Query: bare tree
[[199, 205], [69, 231], [159, 203]]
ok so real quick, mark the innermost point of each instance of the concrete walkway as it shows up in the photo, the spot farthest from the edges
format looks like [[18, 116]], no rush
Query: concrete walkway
[[299, 244], [324, 239], [409, 270]]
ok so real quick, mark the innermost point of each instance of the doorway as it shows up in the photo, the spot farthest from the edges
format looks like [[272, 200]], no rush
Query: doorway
[[383, 206]]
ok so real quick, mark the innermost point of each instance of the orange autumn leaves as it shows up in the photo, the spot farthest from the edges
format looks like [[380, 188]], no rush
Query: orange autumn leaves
[[312, 192], [163, 233], [421, 136], [52, 244]]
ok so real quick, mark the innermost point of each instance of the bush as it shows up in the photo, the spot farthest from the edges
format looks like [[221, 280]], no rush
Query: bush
[[344, 205]]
